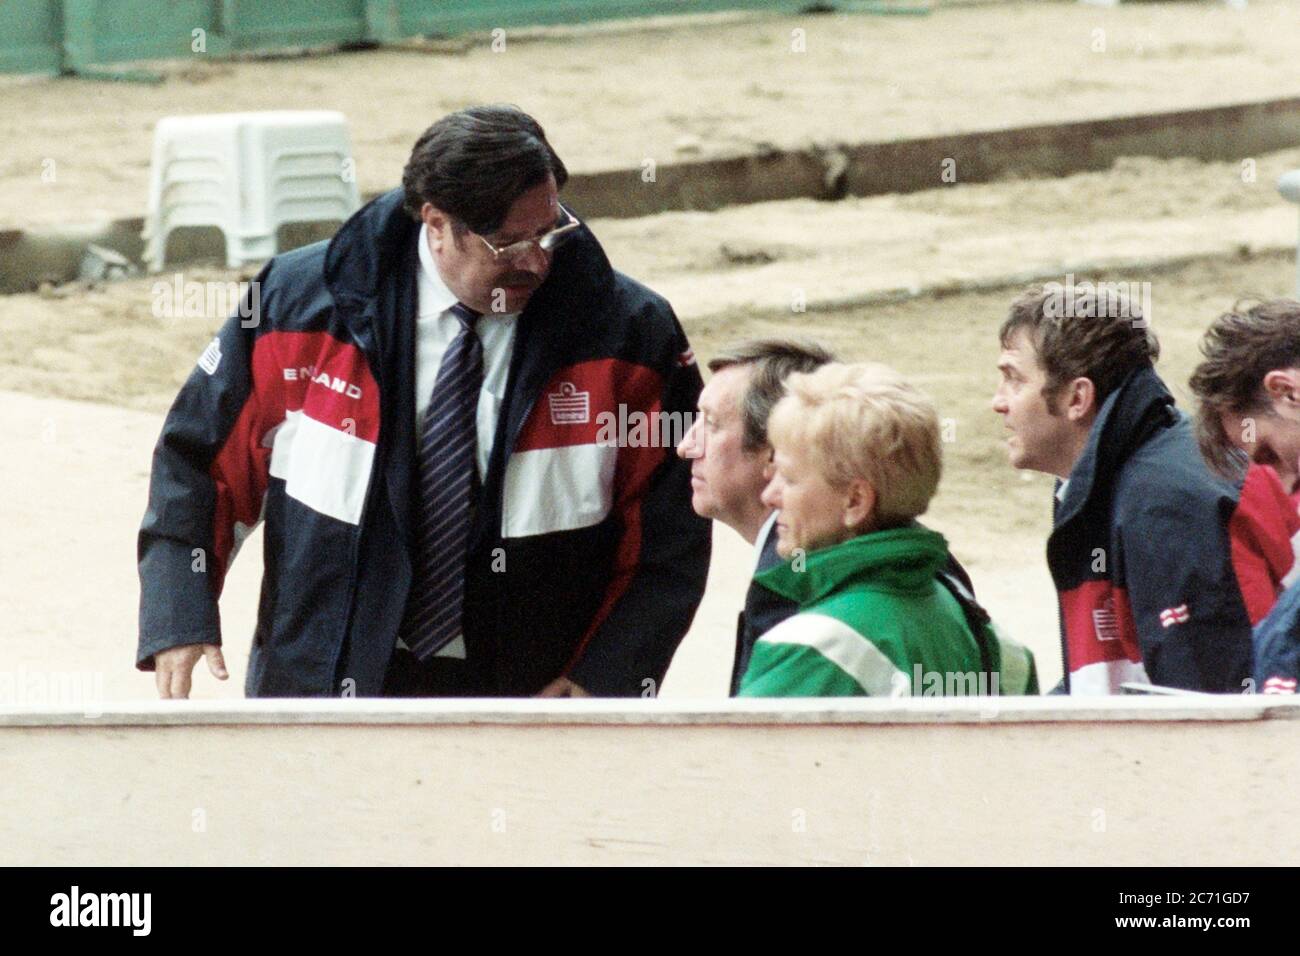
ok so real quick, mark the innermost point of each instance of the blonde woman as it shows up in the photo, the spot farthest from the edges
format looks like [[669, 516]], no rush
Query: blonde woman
[[857, 458]]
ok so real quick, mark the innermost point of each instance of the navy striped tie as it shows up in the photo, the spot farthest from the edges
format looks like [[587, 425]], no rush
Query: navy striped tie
[[447, 466]]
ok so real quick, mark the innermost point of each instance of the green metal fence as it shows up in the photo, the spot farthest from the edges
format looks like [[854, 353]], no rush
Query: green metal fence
[[49, 36]]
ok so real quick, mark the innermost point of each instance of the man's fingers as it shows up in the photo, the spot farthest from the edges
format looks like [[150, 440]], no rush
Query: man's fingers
[[174, 668], [216, 662], [554, 689], [180, 683], [162, 678], [562, 687]]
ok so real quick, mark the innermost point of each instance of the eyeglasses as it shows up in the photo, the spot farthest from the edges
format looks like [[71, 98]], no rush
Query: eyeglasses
[[517, 251]]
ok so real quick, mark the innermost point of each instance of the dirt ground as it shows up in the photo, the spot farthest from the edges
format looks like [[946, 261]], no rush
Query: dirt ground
[[105, 344], [77, 150]]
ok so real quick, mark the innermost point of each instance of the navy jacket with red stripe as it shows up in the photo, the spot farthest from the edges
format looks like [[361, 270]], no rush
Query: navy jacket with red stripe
[[586, 559], [1161, 567]]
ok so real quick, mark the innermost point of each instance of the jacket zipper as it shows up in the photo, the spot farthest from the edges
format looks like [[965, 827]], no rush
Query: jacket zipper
[[366, 509]]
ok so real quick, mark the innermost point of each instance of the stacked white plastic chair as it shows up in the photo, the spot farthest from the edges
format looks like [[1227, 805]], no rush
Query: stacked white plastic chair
[[247, 174], [1289, 187]]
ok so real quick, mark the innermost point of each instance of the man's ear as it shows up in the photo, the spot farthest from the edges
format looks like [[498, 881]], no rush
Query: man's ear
[[1283, 385], [859, 504], [439, 224], [1080, 400]]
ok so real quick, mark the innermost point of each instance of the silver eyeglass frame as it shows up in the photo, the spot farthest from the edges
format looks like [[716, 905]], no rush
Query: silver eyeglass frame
[[547, 242]]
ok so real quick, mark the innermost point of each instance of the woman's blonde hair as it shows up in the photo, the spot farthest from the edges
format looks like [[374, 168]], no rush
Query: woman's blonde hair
[[865, 421]]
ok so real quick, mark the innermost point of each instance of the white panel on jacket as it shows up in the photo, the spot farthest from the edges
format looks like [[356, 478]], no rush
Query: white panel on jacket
[[1105, 677], [558, 489], [325, 468]]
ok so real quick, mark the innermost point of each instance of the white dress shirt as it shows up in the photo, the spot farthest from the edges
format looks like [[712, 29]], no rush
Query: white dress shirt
[[436, 328], [1060, 491]]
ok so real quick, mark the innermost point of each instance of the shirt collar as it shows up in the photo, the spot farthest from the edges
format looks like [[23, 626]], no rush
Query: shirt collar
[[769, 528], [435, 297]]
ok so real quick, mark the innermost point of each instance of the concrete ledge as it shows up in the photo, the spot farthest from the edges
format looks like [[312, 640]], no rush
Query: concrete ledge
[[1122, 781], [650, 713], [875, 168]]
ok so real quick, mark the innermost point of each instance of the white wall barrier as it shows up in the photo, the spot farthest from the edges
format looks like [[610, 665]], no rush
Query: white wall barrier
[[1185, 780]]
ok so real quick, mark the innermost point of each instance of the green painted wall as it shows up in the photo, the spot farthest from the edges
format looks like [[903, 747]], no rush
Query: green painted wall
[[46, 36]]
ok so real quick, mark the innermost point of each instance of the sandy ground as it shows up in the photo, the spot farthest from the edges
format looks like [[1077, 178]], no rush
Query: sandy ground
[[78, 150], [105, 344], [766, 255]]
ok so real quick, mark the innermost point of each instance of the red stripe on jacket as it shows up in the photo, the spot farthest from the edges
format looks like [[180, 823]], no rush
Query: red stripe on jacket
[[1261, 531], [579, 406], [314, 372], [1099, 625]]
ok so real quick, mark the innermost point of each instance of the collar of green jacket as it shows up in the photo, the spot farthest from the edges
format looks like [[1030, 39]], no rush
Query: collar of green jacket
[[898, 558]]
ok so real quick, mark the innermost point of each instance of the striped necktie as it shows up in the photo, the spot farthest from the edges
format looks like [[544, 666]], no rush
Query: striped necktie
[[446, 463]]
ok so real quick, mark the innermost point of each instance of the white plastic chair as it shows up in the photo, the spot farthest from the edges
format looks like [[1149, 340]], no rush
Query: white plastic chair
[[247, 174]]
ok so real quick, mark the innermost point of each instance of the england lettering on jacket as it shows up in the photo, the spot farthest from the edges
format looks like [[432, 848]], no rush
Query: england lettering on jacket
[[102, 909], [308, 373]]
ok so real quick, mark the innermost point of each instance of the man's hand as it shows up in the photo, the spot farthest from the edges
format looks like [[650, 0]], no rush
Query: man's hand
[[173, 667], [562, 687]]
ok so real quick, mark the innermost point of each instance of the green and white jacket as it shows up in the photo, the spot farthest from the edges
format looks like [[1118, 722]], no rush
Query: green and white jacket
[[873, 621]]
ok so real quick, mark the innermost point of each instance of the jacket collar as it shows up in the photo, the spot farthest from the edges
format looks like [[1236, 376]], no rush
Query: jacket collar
[[906, 557], [365, 249], [1141, 406]]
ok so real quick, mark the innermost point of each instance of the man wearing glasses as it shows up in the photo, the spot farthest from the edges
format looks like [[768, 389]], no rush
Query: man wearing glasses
[[413, 411]]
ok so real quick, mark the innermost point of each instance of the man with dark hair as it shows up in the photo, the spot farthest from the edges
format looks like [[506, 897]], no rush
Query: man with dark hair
[[1248, 390], [729, 454], [413, 412], [1160, 566]]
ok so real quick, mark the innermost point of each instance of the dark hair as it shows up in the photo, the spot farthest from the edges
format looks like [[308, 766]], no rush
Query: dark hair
[[773, 360], [473, 165], [1240, 348], [1087, 330]]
